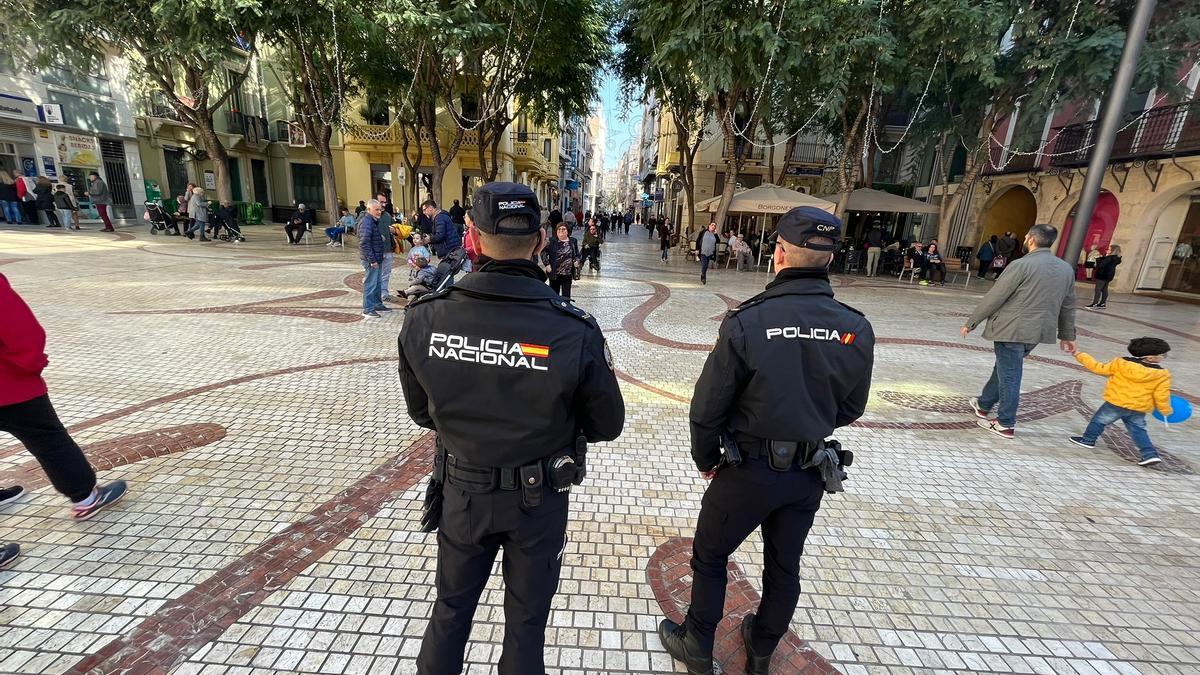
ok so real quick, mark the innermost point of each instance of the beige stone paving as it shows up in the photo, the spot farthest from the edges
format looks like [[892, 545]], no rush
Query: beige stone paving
[[951, 551]]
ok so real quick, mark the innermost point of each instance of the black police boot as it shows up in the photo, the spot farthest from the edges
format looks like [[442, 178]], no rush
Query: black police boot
[[756, 664], [685, 648]]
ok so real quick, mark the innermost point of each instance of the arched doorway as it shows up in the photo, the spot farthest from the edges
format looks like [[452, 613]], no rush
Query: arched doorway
[[1172, 261], [1014, 210], [1100, 229]]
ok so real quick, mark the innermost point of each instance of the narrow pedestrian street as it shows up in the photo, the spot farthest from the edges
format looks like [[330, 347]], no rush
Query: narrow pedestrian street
[[276, 481]]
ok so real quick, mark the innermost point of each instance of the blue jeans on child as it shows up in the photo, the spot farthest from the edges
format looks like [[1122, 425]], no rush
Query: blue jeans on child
[[1004, 386], [1135, 423]]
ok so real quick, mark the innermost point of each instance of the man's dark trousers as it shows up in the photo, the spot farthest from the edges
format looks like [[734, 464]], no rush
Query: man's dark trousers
[[37, 427], [704, 261], [740, 499], [473, 528]]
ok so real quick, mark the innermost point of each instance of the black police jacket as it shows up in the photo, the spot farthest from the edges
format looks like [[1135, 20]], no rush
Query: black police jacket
[[790, 364], [505, 370]]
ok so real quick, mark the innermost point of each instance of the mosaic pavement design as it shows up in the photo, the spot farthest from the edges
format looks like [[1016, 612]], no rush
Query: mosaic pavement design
[[276, 483]]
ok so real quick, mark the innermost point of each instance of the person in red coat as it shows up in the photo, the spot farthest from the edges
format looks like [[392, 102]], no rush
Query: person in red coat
[[26, 413]]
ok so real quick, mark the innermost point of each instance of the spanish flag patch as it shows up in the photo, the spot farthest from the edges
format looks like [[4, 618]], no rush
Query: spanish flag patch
[[539, 351]]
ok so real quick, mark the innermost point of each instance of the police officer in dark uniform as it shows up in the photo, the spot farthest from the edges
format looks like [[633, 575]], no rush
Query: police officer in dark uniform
[[790, 365], [515, 381]]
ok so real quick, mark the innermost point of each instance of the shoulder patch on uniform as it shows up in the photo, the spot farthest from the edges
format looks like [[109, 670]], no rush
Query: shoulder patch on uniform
[[608, 357], [850, 308], [430, 296], [564, 306]]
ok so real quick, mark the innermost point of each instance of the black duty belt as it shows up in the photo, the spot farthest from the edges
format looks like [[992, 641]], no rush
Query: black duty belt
[[558, 472], [757, 448], [480, 479]]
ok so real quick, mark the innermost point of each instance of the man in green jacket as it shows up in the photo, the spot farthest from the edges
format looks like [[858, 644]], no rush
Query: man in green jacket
[[1032, 304]]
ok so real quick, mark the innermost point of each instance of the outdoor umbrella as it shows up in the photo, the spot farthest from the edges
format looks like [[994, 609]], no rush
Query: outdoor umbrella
[[866, 199], [766, 199]]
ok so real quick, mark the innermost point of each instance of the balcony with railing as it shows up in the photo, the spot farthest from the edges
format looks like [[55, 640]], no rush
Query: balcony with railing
[[1156, 133], [253, 129], [156, 107], [1012, 163], [809, 150]]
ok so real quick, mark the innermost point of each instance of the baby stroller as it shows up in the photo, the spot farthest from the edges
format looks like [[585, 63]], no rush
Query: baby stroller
[[225, 225], [449, 266], [160, 220]]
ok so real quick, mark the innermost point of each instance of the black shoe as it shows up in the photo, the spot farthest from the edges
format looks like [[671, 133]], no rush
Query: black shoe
[[1091, 305], [755, 664], [1101, 306], [704, 280], [11, 494], [683, 647], [8, 554], [205, 239]]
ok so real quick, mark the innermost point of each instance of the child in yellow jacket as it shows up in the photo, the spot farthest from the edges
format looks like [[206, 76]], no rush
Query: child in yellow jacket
[[1137, 384]]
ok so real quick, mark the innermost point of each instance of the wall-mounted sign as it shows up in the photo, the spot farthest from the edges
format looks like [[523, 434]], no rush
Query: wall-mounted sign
[[296, 137], [210, 180], [48, 167], [51, 113], [77, 149], [804, 171], [12, 105], [572, 184], [29, 167]]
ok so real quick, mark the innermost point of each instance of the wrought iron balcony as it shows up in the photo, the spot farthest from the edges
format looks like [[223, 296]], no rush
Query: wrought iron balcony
[[1013, 163], [809, 151], [1156, 133], [749, 151]]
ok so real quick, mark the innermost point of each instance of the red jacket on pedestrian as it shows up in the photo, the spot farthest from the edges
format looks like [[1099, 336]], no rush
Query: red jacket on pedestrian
[[22, 349]]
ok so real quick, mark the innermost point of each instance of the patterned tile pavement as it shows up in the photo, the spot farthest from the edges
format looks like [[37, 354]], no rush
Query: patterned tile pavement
[[276, 483]]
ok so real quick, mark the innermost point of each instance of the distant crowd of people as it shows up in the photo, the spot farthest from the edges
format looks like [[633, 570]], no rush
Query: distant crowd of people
[[37, 199]]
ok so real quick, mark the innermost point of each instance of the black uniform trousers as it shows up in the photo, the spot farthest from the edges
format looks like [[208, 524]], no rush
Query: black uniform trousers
[[473, 528], [738, 501]]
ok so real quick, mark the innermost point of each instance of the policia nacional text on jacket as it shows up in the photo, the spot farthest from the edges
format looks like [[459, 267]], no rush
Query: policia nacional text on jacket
[[511, 377]]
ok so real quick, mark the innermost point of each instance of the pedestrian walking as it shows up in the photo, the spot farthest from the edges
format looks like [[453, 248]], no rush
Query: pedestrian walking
[[27, 414], [793, 342], [1104, 272], [10, 201], [985, 256], [664, 240], [1006, 248], [591, 248], [874, 248], [44, 199], [1137, 384], [198, 213], [98, 192], [1030, 305], [389, 251], [706, 248], [515, 381], [628, 221], [370, 254], [68, 210], [562, 260], [458, 215]]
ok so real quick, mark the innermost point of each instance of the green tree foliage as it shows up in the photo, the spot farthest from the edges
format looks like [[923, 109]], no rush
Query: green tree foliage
[[186, 49]]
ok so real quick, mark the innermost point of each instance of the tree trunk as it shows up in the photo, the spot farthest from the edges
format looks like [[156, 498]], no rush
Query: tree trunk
[[733, 166], [850, 163], [771, 156], [328, 176], [970, 172], [217, 154], [787, 157]]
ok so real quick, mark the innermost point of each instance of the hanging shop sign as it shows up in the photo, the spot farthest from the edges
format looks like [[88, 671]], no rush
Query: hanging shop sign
[[77, 149], [48, 168], [51, 113]]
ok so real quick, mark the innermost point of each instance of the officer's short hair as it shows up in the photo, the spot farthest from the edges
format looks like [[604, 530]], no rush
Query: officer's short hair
[[508, 246]]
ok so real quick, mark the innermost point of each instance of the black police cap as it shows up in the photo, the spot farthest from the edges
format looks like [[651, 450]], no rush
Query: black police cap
[[803, 223], [496, 201]]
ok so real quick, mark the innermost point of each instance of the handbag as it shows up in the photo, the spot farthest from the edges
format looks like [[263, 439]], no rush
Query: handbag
[[999, 262]]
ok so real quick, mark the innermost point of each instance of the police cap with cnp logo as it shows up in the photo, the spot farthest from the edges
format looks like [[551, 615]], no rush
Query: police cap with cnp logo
[[803, 223], [496, 201]]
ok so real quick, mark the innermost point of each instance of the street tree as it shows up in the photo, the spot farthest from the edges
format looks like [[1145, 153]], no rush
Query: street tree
[[1006, 56], [311, 46], [194, 53], [729, 47]]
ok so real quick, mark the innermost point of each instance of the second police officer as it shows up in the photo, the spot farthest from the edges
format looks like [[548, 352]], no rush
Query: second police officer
[[790, 365], [515, 381]]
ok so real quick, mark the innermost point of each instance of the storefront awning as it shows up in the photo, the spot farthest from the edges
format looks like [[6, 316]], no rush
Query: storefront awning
[[866, 199]]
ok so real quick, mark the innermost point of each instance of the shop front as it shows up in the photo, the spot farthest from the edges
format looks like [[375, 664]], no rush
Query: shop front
[[1173, 258]]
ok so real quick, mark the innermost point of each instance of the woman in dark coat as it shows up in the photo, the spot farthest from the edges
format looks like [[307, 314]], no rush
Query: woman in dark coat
[[1105, 271], [664, 239], [45, 200], [561, 259]]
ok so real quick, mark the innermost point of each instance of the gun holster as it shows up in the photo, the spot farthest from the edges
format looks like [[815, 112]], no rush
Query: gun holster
[[431, 511], [782, 454]]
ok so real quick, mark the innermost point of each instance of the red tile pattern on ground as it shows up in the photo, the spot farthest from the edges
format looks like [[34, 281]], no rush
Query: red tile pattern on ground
[[197, 617], [124, 450], [669, 574], [269, 307]]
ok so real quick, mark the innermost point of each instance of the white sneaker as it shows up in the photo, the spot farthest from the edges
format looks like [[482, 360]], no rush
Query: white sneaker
[[995, 427], [979, 412], [1150, 460]]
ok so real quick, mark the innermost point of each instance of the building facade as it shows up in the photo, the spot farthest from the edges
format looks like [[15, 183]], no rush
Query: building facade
[[63, 122]]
